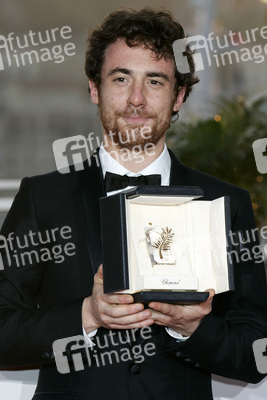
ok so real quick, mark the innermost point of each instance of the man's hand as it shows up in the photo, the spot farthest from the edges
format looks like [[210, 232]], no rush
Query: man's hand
[[183, 319], [112, 311]]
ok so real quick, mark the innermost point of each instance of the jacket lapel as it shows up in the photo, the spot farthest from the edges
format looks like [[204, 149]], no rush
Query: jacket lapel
[[179, 175], [92, 188]]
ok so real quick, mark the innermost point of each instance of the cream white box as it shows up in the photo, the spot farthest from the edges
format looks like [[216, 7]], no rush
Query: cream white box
[[196, 259]]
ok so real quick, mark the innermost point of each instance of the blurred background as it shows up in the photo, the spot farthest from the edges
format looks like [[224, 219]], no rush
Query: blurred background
[[48, 100]]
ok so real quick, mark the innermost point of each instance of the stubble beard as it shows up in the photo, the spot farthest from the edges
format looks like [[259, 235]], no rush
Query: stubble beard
[[128, 136]]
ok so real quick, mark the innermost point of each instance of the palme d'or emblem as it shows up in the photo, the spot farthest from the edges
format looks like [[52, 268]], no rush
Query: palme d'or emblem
[[160, 243]]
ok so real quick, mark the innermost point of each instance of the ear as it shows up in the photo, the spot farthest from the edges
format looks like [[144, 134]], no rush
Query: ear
[[179, 100], [94, 92]]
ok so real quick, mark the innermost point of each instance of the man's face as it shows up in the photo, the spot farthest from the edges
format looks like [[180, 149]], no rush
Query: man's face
[[136, 96]]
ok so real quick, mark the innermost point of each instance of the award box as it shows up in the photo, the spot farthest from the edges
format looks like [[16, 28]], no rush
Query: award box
[[163, 243]]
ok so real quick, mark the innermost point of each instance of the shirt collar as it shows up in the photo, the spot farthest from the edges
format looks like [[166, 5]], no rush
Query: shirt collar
[[161, 166]]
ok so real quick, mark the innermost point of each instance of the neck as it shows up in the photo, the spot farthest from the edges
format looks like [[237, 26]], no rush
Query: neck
[[133, 160]]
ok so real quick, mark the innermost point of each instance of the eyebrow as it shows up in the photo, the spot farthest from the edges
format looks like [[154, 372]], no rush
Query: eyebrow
[[130, 72], [121, 70]]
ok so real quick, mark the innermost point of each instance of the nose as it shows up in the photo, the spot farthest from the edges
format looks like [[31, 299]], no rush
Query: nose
[[137, 96]]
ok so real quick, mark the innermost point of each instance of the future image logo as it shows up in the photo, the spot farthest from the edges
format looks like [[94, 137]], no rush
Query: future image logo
[[4, 247], [260, 354], [31, 47], [72, 347], [111, 348], [197, 42], [36, 247], [72, 150], [221, 50], [260, 154], [75, 150], [4, 45]]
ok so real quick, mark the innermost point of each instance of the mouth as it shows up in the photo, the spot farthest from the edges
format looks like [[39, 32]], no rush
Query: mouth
[[135, 120]]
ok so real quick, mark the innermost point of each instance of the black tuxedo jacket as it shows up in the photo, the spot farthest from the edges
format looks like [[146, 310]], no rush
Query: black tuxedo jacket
[[40, 302]]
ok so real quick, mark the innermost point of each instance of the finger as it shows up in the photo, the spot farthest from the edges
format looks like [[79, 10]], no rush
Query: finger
[[134, 325], [127, 319], [207, 303], [162, 319], [98, 278], [157, 316], [119, 298], [211, 294], [121, 310], [165, 318], [165, 308]]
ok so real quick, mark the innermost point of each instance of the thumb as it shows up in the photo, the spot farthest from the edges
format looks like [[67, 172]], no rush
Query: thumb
[[99, 275], [211, 295]]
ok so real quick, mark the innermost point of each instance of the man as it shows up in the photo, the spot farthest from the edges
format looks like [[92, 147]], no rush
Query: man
[[134, 82]]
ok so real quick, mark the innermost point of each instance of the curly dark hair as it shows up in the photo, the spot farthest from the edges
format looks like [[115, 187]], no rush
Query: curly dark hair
[[154, 29]]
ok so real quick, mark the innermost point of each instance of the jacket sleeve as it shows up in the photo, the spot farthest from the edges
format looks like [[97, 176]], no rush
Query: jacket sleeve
[[222, 344], [27, 331]]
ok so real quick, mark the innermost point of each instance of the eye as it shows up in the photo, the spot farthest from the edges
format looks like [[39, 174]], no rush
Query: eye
[[155, 83], [121, 80]]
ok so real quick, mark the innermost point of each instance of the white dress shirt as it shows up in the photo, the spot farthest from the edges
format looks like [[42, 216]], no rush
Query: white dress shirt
[[160, 166]]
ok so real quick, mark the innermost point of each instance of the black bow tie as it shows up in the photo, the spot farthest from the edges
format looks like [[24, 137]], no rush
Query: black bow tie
[[116, 182]]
